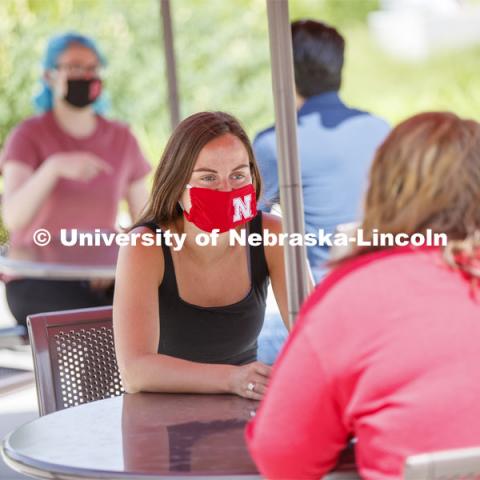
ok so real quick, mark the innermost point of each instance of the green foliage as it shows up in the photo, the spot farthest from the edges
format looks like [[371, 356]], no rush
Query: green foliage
[[3, 234], [396, 90], [222, 60], [336, 12]]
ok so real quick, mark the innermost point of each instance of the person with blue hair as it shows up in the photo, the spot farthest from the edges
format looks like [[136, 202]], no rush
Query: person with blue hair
[[68, 167], [44, 100]]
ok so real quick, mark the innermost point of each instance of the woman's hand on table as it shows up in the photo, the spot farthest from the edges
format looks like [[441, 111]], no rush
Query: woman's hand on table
[[250, 381], [78, 165]]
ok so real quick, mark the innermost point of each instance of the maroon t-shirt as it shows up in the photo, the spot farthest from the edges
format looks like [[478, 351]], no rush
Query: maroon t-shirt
[[73, 203]]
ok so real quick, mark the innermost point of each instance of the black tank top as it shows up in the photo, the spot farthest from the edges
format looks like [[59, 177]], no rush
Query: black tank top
[[225, 334]]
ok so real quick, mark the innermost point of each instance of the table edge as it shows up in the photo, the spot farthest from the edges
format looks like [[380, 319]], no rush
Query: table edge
[[54, 270], [55, 472]]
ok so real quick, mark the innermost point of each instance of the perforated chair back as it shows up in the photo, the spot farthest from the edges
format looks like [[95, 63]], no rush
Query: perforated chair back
[[74, 357], [456, 464]]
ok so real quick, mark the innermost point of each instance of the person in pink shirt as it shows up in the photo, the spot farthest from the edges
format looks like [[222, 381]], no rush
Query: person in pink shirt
[[68, 167], [387, 348]]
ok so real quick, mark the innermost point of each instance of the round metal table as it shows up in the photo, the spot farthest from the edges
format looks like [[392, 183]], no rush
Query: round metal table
[[56, 261], [147, 435]]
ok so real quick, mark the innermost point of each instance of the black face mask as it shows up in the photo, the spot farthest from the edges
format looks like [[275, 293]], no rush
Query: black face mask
[[82, 92]]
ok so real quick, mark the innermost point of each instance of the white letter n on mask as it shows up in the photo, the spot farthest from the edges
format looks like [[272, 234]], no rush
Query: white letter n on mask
[[242, 208]]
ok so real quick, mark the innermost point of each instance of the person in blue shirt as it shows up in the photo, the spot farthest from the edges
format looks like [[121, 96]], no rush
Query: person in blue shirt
[[336, 146], [336, 143]]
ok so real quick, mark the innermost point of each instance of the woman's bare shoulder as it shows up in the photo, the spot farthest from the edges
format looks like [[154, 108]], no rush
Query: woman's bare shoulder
[[142, 254], [271, 222]]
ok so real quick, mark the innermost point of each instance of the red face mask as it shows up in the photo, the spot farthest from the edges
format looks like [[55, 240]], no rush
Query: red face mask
[[213, 209]]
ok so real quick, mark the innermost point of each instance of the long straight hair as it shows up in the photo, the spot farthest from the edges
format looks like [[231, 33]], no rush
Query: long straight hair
[[179, 158]]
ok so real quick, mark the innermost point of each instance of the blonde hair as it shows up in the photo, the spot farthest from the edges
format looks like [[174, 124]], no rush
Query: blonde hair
[[426, 175]]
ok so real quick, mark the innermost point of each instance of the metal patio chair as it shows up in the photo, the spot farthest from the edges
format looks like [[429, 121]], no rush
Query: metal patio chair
[[74, 357], [455, 464]]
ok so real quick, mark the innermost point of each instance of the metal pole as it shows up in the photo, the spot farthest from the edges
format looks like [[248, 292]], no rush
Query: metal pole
[[168, 46], [291, 200]]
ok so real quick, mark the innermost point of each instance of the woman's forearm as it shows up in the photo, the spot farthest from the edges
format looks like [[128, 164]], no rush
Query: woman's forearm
[[19, 207], [163, 373]]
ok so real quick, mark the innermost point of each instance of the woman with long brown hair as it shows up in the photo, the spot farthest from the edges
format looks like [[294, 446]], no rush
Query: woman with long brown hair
[[386, 349], [187, 314]]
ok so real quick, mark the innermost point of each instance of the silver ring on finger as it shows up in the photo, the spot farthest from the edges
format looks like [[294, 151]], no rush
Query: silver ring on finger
[[251, 387]]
